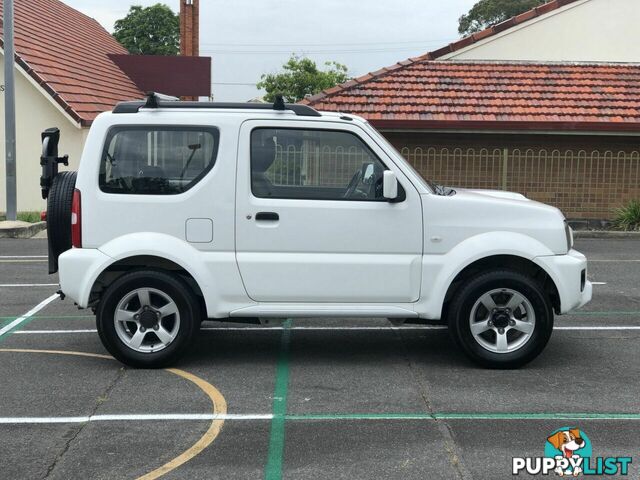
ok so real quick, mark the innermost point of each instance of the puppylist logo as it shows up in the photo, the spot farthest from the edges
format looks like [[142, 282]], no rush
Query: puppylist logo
[[568, 453]]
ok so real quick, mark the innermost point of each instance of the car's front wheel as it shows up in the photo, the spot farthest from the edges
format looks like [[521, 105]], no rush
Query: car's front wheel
[[147, 318], [501, 319]]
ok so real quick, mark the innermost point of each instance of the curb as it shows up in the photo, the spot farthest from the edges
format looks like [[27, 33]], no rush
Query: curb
[[609, 234], [23, 232]]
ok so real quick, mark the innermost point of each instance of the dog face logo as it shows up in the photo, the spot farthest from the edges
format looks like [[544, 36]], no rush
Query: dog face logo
[[570, 444], [567, 441]]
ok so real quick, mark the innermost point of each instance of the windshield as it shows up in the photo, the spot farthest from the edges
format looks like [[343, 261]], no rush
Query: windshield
[[430, 185], [426, 183]]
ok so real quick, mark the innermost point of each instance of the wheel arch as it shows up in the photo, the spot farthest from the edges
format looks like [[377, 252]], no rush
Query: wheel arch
[[156, 251], [139, 262], [503, 261]]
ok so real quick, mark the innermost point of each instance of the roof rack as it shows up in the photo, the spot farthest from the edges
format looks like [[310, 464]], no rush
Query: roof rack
[[155, 100]]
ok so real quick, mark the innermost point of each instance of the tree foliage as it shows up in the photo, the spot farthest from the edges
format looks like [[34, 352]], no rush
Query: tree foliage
[[490, 12], [300, 77], [153, 30]]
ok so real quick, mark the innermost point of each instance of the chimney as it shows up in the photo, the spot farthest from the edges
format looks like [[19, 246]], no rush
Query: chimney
[[190, 28]]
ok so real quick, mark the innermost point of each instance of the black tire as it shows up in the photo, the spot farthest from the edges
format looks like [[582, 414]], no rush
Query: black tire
[[465, 298], [59, 212], [171, 285]]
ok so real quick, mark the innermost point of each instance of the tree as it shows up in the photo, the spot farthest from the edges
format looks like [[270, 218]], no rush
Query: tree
[[300, 77], [490, 12], [153, 30]]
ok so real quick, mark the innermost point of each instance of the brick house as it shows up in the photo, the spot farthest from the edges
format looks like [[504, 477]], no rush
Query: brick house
[[565, 133]]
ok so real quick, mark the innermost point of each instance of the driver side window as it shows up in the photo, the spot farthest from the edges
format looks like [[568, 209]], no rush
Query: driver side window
[[313, 165]]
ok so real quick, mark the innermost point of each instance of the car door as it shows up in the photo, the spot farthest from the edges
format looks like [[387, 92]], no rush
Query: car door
[[311, 223]]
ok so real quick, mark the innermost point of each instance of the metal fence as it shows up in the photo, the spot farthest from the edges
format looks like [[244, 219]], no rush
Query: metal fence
[[316, 166], [583, 184]]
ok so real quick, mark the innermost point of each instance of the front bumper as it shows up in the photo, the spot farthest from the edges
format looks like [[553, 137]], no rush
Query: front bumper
[[79, 268], [569, 273]]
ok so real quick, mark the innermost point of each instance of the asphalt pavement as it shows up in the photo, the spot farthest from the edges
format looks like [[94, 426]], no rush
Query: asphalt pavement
[[309, 398]]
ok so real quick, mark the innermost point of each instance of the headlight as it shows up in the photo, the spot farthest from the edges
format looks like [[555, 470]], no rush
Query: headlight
[[569, 233]]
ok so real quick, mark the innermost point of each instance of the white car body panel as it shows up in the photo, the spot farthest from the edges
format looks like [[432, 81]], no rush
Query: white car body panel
[[321, 258]]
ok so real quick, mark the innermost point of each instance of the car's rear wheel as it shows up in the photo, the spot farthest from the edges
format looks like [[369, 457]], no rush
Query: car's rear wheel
[[501, 319], [147, 318]]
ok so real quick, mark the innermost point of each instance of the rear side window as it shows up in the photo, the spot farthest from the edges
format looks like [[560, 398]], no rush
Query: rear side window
[[156, 160]]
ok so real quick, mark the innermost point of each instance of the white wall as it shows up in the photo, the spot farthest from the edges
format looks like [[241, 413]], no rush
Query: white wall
[[588, 30], [34, 113]]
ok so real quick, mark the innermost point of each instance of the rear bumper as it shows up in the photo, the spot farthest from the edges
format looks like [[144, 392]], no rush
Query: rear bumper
[[78, 269], [569, 273]]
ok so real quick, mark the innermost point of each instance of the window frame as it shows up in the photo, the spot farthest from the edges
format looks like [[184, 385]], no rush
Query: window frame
[[115, 129], [401, 191]]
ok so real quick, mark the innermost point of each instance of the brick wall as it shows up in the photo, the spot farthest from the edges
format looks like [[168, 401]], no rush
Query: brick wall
[[587, 177]]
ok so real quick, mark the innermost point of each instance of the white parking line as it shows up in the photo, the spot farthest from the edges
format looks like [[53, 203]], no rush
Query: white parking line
[[29, 314], [22, 260], [326, 417], [10, 285], [612, 261], [598, 283], [611, 327], [45, 332], [267, 329], [136, 418], [22, 256]]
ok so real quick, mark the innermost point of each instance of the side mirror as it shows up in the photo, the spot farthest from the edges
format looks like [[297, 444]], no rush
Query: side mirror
[[389, 185]]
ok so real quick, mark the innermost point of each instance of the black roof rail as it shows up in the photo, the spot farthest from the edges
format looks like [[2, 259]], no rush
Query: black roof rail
[[155, 100]]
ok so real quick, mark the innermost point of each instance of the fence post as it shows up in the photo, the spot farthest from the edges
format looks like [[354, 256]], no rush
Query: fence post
[[505, 160]]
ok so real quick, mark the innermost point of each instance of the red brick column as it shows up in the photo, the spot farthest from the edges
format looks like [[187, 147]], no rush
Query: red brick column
[[190, 30]]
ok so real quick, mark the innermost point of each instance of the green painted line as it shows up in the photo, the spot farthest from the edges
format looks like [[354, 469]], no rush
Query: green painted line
[[538, 416], [22, 324], [362, 416], [466, 416], [273, 469]]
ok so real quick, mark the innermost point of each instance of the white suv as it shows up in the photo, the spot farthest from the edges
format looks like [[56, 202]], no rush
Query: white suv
[[187, 211]]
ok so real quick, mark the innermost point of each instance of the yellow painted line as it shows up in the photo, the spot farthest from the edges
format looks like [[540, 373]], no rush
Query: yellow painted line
[[219, 407], [217, 400], [57, 352]]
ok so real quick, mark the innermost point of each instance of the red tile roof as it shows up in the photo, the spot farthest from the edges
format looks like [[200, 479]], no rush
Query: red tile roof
[[465, 94], [423, 93], [66, 52]]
